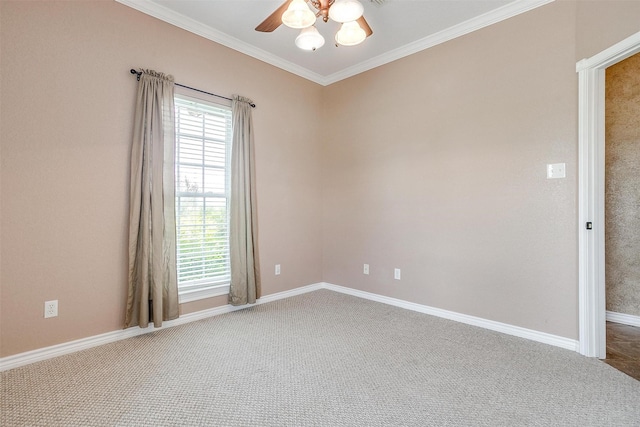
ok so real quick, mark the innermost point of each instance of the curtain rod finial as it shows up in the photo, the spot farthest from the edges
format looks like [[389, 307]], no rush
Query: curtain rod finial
[[137, 73]]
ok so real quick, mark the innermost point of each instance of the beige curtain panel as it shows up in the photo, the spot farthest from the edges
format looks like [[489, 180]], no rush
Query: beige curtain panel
[[243, 224], [153, 291]]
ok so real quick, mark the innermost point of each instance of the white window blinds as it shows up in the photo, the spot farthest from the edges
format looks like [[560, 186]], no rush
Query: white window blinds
[[203, 141]]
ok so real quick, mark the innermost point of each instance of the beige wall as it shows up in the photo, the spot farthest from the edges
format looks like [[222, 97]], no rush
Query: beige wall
[[434, 164], [66, 125], [622, 186], [603, 23]]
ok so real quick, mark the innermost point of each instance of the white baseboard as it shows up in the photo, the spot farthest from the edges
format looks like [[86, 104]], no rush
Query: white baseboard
[[45, 353], [293, 292], [625, 319], [28, 357], [504, 328]]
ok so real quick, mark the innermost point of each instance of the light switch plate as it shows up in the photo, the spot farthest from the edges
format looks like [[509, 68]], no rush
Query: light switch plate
[[556, 170]]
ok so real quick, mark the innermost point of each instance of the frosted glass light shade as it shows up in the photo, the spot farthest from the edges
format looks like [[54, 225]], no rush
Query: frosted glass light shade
[[309, 39], [346, 10], [298, 15], [350, 34]]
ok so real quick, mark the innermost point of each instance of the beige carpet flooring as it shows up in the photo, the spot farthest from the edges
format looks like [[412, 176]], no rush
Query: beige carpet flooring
[[320, 359]]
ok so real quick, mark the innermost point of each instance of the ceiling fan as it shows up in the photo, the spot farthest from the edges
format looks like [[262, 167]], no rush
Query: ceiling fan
[[297, 14]]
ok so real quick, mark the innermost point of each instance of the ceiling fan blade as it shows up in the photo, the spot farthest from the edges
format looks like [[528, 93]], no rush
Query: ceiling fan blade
[[364, 25], [274, 20]]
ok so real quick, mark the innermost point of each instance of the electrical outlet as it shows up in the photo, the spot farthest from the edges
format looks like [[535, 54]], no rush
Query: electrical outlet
[[50, 308], [396, 274], [277, 269], [365, 269]]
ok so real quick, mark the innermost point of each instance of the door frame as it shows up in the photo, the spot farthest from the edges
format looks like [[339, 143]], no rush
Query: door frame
[[591, 167]]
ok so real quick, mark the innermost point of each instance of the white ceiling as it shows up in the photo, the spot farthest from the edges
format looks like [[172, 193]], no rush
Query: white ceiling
[[400, 28]]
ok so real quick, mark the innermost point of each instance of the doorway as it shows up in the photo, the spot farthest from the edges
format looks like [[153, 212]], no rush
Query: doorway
[[591, 275], [622, 219]]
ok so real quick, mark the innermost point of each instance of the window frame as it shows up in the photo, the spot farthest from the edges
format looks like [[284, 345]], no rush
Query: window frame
[[208, 288]]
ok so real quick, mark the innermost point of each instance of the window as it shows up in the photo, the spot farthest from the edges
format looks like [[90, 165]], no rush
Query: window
[[203, 145]]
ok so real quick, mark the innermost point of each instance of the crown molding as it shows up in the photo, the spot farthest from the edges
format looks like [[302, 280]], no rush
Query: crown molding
[[505, 12], [167, 15]]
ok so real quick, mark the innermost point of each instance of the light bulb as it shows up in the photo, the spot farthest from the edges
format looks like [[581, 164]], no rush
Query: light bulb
[[298, 15], [346, 10], [309, 39], [350, 34]]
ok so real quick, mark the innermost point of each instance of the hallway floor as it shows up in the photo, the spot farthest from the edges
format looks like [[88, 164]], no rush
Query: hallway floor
[[623, 348]]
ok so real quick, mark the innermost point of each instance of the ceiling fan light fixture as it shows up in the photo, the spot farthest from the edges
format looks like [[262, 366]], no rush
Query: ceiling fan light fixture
[[298, 15], [309, 39], [350, 34], [346, 10]]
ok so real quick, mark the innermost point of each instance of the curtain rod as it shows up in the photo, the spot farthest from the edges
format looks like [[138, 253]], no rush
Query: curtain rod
[[139, 73]]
